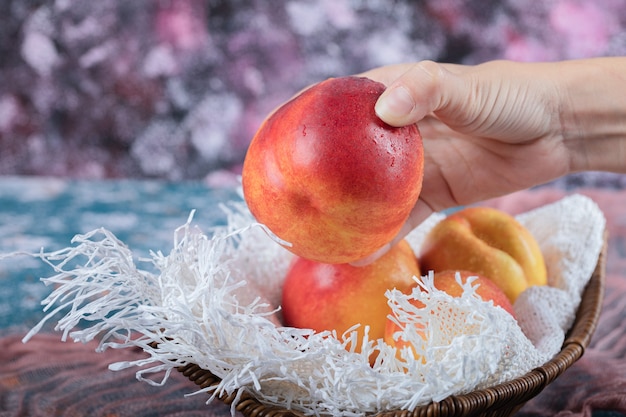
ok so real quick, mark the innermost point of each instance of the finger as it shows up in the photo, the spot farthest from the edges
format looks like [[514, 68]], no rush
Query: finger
[[423, 88]]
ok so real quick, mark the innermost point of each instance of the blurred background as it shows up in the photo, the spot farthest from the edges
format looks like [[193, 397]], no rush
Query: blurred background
[[175, 90]]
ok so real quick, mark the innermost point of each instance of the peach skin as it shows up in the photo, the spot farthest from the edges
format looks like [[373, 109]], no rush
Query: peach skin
[[326, 175], [322, 296]]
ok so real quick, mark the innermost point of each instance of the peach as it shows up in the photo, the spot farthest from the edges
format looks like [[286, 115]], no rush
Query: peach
[[488, 242], [330, 297], [326, 175], [446, 281], [486, 289]]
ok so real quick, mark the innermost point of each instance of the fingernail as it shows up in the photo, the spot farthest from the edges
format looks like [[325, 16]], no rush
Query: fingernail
[[394, 103]]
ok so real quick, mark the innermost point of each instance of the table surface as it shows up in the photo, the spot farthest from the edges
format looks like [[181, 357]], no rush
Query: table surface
[[45, 376]]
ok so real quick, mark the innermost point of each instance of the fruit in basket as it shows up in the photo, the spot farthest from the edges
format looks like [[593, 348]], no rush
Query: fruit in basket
[[326, 175], [486, 289], [489, 242], [447, 281], [323, 296]]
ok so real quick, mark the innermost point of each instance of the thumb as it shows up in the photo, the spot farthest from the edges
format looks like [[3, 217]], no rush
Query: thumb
[[424, 88]]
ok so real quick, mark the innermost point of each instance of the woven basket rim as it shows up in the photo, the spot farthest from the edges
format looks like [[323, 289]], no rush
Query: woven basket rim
[[499, 400]]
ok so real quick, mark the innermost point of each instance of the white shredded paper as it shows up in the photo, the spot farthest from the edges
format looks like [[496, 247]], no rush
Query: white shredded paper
[[214, 301]]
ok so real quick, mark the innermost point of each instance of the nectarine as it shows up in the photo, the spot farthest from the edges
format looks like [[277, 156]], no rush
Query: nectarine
[[488, 242], [330, 297], [326, 175]]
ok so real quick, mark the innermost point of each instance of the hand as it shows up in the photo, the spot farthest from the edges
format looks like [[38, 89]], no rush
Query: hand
[[488, 130]]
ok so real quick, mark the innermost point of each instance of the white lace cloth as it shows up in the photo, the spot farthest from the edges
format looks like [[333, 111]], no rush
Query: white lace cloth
[[213, 301]]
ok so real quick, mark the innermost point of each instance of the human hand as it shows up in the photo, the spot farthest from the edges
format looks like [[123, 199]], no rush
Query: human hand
[[488, 130]]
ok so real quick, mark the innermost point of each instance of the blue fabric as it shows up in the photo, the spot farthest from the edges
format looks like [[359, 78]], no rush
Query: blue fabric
[[42, 213]]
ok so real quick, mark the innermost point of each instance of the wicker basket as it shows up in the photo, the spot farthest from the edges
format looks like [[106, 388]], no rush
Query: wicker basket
[[500, 400]]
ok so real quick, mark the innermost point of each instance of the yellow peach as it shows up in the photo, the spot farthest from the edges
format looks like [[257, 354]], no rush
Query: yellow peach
[[488, 242]]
